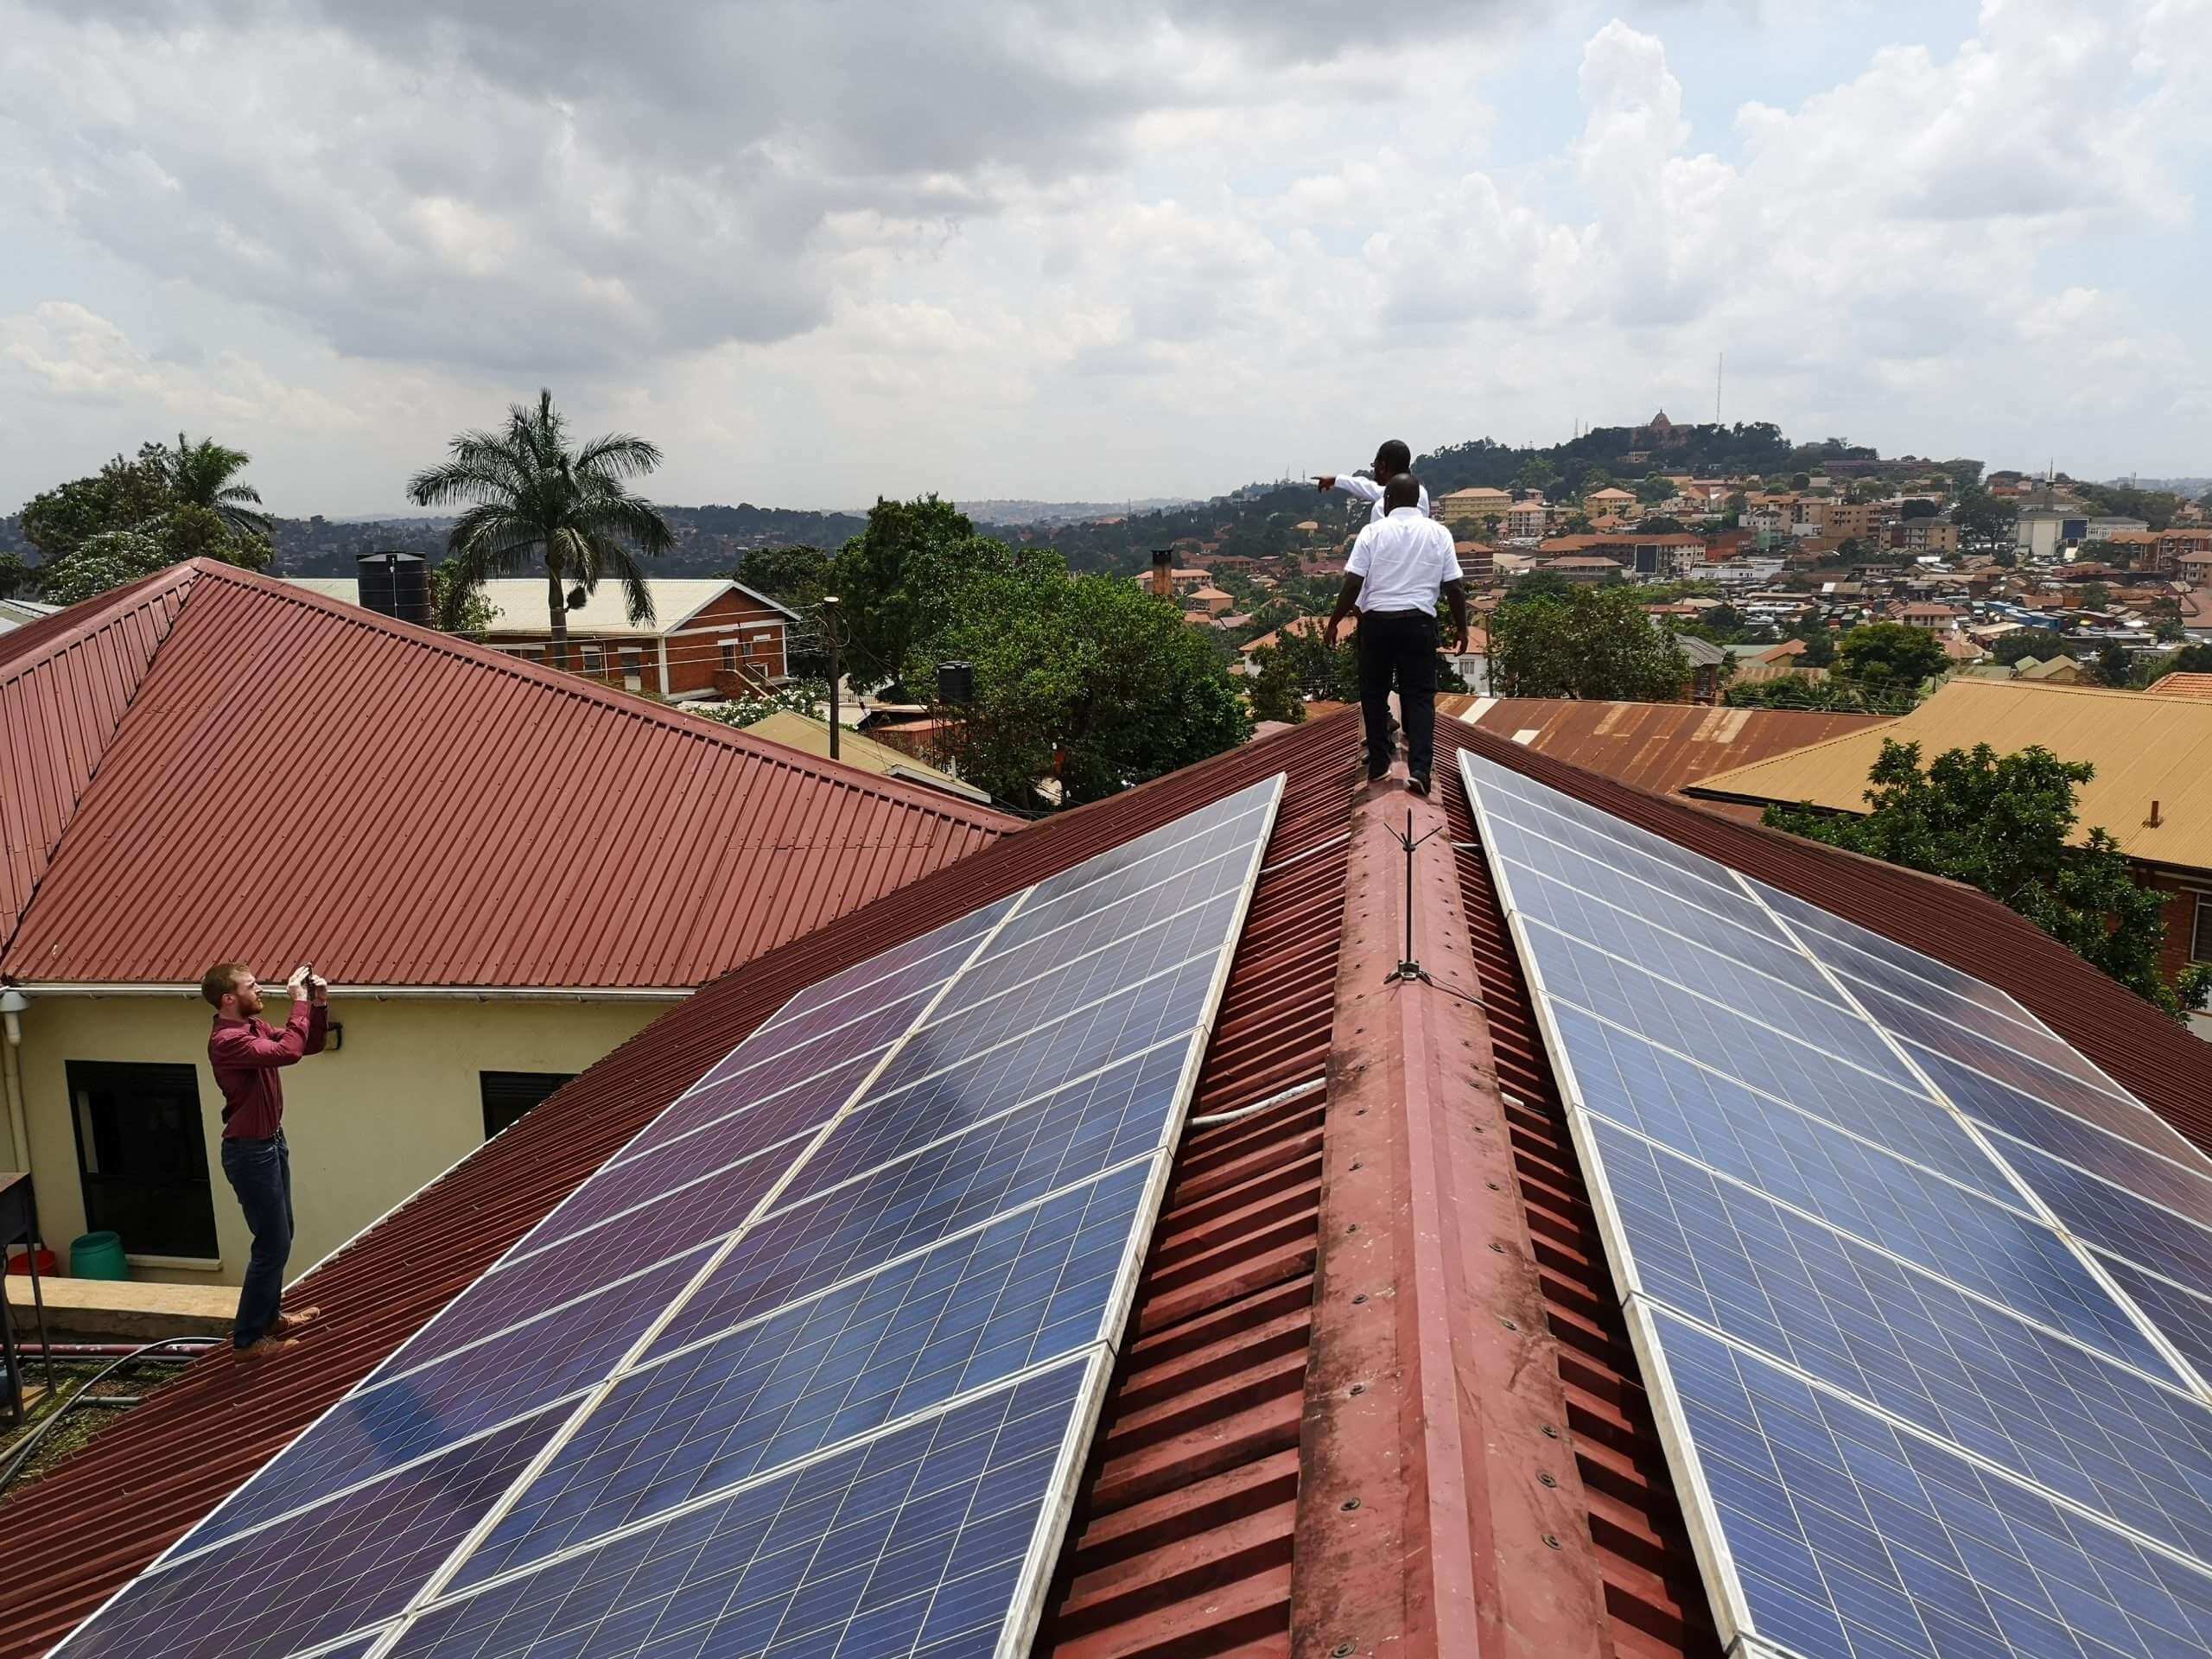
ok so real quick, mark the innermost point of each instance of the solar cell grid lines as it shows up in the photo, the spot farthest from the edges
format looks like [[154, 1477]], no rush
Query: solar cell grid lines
[[909, 1203], [1900, 1334]]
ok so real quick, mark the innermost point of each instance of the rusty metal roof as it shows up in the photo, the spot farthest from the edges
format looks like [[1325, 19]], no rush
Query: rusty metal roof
[[282, 777], [1655, 746], [64, 682], [1183, 1539]]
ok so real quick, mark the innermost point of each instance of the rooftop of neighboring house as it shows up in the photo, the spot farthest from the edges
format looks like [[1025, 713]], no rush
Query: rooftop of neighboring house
[[2145, 750], [2183, 685], [15, 613], [521, 607], [377, 774], [811, 736], [1300, 627], [1350, 1117]]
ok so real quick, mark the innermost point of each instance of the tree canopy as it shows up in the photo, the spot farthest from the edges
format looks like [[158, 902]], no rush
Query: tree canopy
[[2002, 824], [1890, 655], [534, 504], [134, 517], [1591, 642]]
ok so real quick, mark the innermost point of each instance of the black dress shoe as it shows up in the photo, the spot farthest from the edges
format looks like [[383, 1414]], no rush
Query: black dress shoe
[[1418, 782]]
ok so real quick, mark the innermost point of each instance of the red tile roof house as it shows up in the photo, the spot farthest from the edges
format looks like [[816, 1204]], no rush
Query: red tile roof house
[[506, 872], [1377, 1394]]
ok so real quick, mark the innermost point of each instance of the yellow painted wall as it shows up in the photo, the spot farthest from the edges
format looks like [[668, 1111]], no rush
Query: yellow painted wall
[[368, 1125]]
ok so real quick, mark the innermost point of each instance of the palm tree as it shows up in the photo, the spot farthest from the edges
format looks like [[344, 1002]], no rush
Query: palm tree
[[534, 504], [200, 476]]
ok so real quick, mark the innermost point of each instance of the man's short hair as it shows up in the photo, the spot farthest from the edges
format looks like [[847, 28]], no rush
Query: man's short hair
[[221, 980], [1392, 457], [1402, 491]]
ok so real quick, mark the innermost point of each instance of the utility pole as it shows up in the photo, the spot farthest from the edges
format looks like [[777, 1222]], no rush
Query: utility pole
[[829, 625], [1720, 370]]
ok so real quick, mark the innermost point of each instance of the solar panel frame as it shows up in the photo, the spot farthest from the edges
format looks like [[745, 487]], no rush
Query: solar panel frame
[[1709, 1536]]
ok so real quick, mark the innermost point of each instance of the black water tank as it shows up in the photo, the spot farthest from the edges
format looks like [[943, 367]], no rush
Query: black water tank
[[955, 682], [395, 585]]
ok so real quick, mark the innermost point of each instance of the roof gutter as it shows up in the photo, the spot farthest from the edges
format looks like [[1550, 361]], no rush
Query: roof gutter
[[381, 993]]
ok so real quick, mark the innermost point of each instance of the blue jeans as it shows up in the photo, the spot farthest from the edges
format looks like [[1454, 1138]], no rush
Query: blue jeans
[[260, 1173]]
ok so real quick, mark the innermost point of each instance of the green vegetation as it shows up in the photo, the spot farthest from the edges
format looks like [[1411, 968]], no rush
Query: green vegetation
[[1889, 657], [535, 505], [2002, 824], [1592, 642], [133, 518]]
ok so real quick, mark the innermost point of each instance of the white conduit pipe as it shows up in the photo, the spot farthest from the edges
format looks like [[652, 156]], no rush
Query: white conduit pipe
[[1293, 1092]]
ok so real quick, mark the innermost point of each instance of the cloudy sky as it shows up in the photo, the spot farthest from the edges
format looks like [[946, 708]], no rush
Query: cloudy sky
[[821, 251]]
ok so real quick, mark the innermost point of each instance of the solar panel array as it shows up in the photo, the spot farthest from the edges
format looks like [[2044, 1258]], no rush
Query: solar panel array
[[811, 1364], [1914, 1283]]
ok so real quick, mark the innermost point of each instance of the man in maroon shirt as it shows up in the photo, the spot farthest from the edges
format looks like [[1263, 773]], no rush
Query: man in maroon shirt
[[245, 1054]]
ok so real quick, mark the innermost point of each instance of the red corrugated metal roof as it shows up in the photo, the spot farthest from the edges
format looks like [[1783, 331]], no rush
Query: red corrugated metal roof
[[295, 778], [1181, 1541], [64, 682], [1655, 746]]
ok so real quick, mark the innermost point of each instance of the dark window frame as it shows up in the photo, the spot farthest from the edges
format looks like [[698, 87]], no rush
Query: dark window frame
[[2200, 942], [109, 1203], [500, 1091]]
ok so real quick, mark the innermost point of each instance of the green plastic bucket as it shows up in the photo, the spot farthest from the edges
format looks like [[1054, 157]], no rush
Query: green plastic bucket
[[96, 1256]]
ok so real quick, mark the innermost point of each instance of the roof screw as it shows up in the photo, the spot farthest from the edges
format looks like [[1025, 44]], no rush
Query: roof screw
[[1509, 1325], [1550, 1433], [1496, 1249], [1358, 1166], [1342, 1650], [1360, 1112], [1359, 1388], [1348, 1505], [1551, 1540], [1543, 1479], [1358, 1300], [1491, 1184]]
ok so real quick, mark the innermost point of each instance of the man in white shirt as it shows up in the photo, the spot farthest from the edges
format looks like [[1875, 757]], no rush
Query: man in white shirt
[[1398, 567], [1390, 460]]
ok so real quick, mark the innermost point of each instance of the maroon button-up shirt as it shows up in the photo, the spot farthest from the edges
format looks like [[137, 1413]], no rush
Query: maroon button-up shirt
[[245, 1054]]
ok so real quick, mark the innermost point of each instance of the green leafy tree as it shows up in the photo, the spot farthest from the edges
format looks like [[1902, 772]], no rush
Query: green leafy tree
[[205, 474], [457, 605], [1891, 655], [900, 578], [2005, 823], [807, 697], [1593, 642], [799, 576], [2039, 643], [1275, 691], [535, 504], [1820, 643], [2115, 667], [2093, 596], [133, 518], [1535, 474], [2190, 659], [15, 577], [1918, 509], [1983, 518], [1085, 679], [1318, 671]]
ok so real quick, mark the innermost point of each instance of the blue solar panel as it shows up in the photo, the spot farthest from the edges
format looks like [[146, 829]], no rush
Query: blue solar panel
[[403, 1414], [1026, 1288], [1890, 1325], [1514, 796], [327, 1571], [824, 1234], [930, 959], [960, 1215], [2049, 1410], [921, 1541], [1849, 1536], [1694, 1110], [1702, 1026]]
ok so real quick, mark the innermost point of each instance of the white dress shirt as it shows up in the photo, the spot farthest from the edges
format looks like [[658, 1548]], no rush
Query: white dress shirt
[[1402, 562], [1368, 490]]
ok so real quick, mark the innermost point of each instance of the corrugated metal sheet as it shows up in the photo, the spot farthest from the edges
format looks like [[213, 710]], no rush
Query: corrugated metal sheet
[[64, 682], [82, 1531], [2145, 749], [298, 780], [1655, 746]]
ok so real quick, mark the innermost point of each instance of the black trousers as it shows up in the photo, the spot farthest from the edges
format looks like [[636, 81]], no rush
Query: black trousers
[[1398, 647], [260, 1173]]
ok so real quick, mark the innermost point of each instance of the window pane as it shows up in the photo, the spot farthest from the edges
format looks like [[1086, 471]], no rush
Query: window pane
[[141, 1156]]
